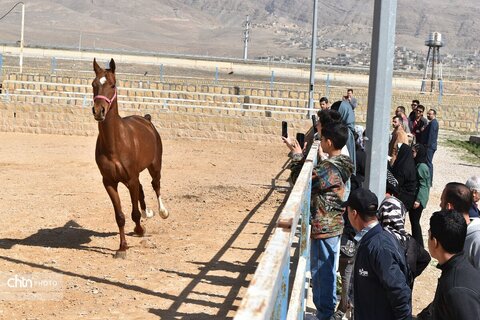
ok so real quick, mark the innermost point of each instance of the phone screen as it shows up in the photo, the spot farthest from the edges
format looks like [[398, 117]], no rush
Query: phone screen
[[301, 139], [284, 129]]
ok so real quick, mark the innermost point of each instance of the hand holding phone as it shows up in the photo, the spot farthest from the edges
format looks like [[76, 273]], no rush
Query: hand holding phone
[[301, 139]]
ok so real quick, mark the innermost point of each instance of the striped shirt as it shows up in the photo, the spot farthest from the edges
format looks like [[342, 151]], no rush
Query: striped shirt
[[391, 214]]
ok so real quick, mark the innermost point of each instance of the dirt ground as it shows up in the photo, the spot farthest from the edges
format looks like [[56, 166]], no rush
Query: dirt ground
[[223, 198]]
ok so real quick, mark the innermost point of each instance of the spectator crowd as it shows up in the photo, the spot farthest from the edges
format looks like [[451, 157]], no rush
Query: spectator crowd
[[364, 239]]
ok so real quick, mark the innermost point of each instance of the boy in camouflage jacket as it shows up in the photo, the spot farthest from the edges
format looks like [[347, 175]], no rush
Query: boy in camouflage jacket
[[329, 180]]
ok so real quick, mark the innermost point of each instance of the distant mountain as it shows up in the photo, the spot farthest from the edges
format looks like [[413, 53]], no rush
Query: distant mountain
[[214, 27]]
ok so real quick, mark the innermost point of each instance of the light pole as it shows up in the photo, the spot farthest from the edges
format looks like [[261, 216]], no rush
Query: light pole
[[245, 38], [21, 36], [311, 103], [22, 29]]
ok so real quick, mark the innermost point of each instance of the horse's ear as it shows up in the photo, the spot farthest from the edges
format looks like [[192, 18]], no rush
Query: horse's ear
[[96, 67], [112, 65]]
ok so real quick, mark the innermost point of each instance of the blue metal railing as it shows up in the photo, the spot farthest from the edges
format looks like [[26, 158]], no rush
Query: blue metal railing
[[270, 295]]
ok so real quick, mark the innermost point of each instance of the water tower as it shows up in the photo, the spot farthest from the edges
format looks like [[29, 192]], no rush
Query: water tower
[[434, 43]]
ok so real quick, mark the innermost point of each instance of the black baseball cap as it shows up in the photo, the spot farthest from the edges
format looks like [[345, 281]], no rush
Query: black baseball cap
[[363, 200]]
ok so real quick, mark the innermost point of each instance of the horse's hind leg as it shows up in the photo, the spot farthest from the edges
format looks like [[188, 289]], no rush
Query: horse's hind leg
[[112, 191], [155, 173], [134, 188], [146, 213]]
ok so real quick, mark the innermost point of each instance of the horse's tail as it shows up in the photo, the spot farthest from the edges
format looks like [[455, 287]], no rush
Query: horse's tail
[[148, 117]]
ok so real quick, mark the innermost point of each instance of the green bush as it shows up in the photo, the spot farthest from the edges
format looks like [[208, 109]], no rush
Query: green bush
[[470, 147]]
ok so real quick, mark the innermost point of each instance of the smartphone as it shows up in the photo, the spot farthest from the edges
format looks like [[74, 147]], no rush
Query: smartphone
[[301, 139], [314, 123], [284, 129]]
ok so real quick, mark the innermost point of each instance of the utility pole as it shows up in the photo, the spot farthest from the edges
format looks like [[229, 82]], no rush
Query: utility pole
[[245, 37], [21, 37], [313, 58], [21, 31], [380, 94]]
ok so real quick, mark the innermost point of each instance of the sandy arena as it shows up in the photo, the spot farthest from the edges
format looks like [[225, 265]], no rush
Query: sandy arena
[[223, 200]]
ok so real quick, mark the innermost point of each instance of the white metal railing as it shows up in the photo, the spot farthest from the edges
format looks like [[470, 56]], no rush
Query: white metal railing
[[267, 296], [42, 92], [158, 104], [83, 88]]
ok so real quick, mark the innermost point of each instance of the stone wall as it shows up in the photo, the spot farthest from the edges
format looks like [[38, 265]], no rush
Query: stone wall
[[241, 110], [71, 120]]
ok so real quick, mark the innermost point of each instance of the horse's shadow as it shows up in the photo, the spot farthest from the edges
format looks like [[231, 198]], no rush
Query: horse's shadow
[[70, 236]]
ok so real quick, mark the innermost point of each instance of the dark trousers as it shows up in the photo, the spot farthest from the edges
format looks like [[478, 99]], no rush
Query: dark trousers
[[345, 268], [414, 215], [430, 153]]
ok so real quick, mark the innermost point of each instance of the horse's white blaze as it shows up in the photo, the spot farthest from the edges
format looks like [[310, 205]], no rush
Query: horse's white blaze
[[161, 208], [103, 80], [148, 213]]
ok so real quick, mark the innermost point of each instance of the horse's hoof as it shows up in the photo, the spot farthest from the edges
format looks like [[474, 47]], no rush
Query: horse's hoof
[[147, 213], [164, 213], [140, 230], [120, 254]]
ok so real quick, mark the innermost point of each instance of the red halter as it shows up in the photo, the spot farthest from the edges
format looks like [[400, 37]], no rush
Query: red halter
[[109, 101]]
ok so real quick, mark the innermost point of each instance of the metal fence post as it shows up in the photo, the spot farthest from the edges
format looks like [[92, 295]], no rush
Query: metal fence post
[[272, 79], [281, 302], [53, 64], [327, 86], [440, 91], [478, 118], [380, 95], [1, 66]]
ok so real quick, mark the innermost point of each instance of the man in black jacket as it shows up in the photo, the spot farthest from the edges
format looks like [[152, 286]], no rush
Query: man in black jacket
[[380, 285], [458, 290]]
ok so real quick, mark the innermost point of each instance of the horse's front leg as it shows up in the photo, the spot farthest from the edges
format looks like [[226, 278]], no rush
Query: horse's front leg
[[134, 188], [112, 191]]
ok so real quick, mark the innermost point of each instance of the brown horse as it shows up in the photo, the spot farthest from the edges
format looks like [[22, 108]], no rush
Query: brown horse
[[125, 147]]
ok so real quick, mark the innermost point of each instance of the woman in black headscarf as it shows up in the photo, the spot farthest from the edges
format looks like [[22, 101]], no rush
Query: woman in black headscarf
[[422, 192], [405, 172], [348, 118]]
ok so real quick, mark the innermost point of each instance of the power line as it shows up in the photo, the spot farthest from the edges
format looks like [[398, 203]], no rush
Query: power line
[[11, 10], [333, 7]]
